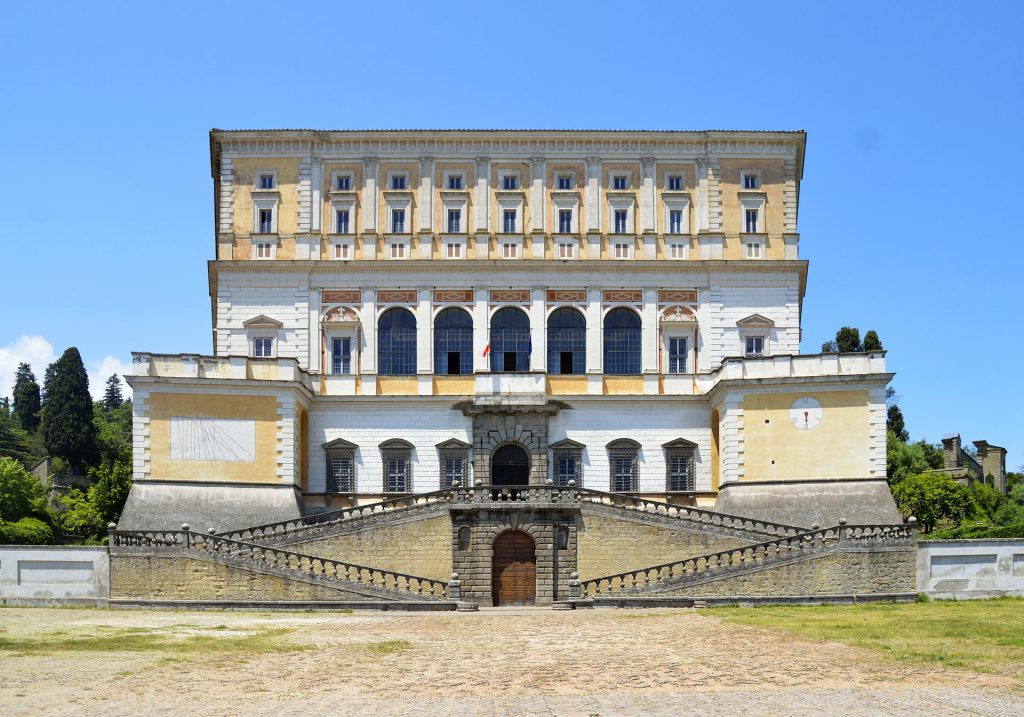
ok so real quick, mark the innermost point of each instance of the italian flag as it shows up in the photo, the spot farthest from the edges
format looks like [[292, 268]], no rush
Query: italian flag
[[487, 350]]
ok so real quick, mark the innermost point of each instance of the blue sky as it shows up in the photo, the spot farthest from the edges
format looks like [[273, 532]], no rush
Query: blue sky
[[910, 207]]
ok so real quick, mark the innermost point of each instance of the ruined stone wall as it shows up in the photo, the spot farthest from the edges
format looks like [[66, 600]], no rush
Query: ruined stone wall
[[845, 572], [179, 577], [420, 546], [608, 545]]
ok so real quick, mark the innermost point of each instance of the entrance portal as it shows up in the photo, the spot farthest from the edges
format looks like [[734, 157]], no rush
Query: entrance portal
[[514, 569], [510, 466]]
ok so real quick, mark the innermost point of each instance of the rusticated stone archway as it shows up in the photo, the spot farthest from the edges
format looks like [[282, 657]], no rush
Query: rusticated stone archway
[[523, 422]]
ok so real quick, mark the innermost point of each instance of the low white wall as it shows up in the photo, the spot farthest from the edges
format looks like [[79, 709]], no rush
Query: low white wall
[[965, 569], [32, 574]]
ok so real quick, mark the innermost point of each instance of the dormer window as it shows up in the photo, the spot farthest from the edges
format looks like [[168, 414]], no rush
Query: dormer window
[[754, 346], [398, 181], [510, 182], [263, 347]]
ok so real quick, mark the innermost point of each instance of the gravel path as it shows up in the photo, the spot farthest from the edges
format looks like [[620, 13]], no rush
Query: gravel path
[[496, 662]]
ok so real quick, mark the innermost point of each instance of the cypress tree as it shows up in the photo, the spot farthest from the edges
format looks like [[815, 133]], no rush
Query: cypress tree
[[872, 342], [26, 398], [67, 424], [112, 397], [848, 340]]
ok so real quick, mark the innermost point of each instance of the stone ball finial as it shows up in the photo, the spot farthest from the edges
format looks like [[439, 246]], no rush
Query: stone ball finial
[[814, 526], [842, 521], [574, 576], [479, 482], [455, 576], [455, 484], [186, 527], [911, 519], [211, 531], [111, 526], [572, 482], [549, 482]]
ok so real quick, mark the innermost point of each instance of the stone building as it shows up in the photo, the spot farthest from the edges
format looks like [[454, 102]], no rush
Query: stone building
[[582, 313], [988, 460]]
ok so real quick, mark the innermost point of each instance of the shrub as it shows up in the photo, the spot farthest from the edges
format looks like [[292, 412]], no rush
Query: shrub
[[932, 497], [18, 490], [27, 531]]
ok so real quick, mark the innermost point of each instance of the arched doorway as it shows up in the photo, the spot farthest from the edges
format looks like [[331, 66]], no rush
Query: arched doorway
[[514, 569], [510, 466]]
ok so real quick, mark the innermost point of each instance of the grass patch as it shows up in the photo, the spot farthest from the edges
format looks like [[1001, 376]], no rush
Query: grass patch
[[388, 647], [113, 639], [981, 635]]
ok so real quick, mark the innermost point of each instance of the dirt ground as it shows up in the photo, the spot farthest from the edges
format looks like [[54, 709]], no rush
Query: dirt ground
[[495, 662]]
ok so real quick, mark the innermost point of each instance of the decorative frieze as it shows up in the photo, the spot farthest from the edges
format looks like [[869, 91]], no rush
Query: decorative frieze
[[519, 296], [566, 295], [453, 296], [342, 297], [396, 296], [623, 295], [668, 296]]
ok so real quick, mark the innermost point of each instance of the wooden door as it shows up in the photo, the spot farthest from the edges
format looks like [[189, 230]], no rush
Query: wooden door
[[514, 569]]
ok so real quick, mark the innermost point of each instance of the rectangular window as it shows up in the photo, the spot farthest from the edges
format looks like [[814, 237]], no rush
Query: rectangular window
[[754, 346], [453, 250], [398, 181], [341, 221], [754, 250], [677, 251], [509, 221], [750, 221], [343, 182], [398, 250], [565, 221], [509, 251], [675, 221], [675, 183], [265, 223], [565, 181], [620, 181], [263, 347], [341, 473], [621, 215], [750, 181], [566, 250], [341, 356], [454, 221], [266, 181], [567, 467], [622, 251], [264, 250], [510, 182], [397, 221], [455, 181], [677, 354], [623, 469], [342, 251], [396, 472], [679, 470], [453, 468]]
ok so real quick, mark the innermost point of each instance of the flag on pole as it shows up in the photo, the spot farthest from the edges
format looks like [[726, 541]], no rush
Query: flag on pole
[[487, 350]]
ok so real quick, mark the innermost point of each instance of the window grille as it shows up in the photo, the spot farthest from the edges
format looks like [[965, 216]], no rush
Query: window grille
[[623, 464], [679, 469], [341, 474], [622, 343], [397, 470], [567, 466], [396, 343], [510, 341], [341, 356], [567, 334], [453, 468], [677, 354], [453, 342]]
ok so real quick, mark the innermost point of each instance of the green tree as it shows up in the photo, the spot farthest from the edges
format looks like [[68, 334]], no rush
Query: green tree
[[67, 425], [87, 514], [988, 500], [19, 490], [848, 340], [27, 400], [113, 432], [905, 459], [894, 423], [14, 442], [932, 497], [112, 397], [872, 342]]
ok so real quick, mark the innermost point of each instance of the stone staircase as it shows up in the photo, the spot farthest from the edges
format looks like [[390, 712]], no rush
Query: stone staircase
[[368, 582], [676, 577]]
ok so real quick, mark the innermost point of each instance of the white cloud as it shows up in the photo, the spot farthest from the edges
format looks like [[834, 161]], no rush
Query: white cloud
[[38, 352], [33, 350], [100, 371]]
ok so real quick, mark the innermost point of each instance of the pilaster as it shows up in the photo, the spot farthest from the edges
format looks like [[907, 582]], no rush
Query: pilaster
[[482, 200]]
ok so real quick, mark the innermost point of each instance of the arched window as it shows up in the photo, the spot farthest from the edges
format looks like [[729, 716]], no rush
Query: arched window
[[510, 345], [453, 342], [567, 342], [622, 343], [396, 343]]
